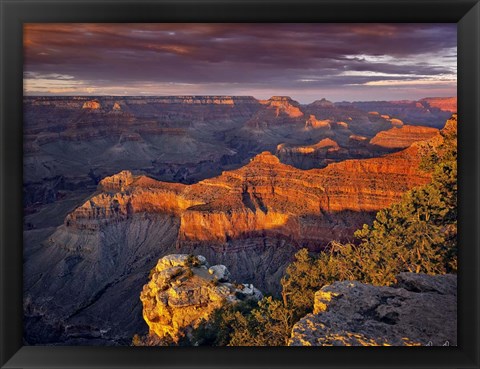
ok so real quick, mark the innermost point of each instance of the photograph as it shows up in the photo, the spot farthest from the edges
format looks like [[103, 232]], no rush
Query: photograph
[[221, 184], [215, 184], [240, 184]]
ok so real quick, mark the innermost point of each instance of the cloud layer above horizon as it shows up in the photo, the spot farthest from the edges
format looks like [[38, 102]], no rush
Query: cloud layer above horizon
[[304, 61]]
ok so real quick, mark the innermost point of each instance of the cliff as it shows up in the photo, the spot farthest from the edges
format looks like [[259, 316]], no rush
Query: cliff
[[317, 155], [93, 105], [431, 112], [448, 104], [421, 310], [400, 138], [264, 197], [313, 122], [278, 110], [184, 291], [283, 105]]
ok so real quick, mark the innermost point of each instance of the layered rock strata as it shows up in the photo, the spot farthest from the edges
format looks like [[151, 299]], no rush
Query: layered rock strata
[[277, 110], [72, 141], [312, 156], [400, 138], [92, 104], [430, 112], [421, 310], [443, 103], [262, 198], [184, 291]]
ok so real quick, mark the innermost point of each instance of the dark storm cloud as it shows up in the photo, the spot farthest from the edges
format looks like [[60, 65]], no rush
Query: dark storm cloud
[[209, 57]]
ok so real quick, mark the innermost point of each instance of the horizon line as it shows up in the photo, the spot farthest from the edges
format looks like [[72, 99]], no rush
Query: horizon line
[[233, 96]]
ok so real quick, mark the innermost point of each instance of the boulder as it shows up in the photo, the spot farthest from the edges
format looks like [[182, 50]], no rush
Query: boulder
[[421, 310]]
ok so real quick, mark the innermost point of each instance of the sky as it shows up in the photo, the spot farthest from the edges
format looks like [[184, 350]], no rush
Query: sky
[[340, 62]]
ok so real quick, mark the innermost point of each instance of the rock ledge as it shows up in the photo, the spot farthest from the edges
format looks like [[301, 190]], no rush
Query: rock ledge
[[420, 310]]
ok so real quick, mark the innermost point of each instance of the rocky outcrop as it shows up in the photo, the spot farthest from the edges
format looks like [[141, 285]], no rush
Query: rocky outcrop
[[322, 103], [421, 310], [345, 116], [278, 110], [312, 156], [117, 182], [342, 125], [357, 138], [312, 122], [400, 138], [183, 292], [448, 104], [396, 122], [283, 105], [92, 104]]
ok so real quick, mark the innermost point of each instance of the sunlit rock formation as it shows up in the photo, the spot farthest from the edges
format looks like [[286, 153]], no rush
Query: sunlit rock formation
[[420, 310], [399, 138], [264, 197], [184, 291], [312, 156], [278, 110], [431, 112], [92, 104], [283, 105], [312, 122], [443, 103]]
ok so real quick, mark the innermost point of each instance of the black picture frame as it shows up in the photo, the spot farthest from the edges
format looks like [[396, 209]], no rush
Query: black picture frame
[[466, 13]]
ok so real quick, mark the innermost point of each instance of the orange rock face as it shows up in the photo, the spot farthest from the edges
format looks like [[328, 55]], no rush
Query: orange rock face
[[278, 110], [284, 105], [443, 103], [396, 122], [399, 138], [264, 198], [315, 123], [93, 104]]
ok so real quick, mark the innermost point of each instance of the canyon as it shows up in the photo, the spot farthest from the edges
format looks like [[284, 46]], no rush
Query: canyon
[[113, 184], [70, 143]]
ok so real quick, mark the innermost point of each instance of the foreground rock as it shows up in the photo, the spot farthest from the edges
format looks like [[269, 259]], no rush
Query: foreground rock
[[184, 291], [420, 310]]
